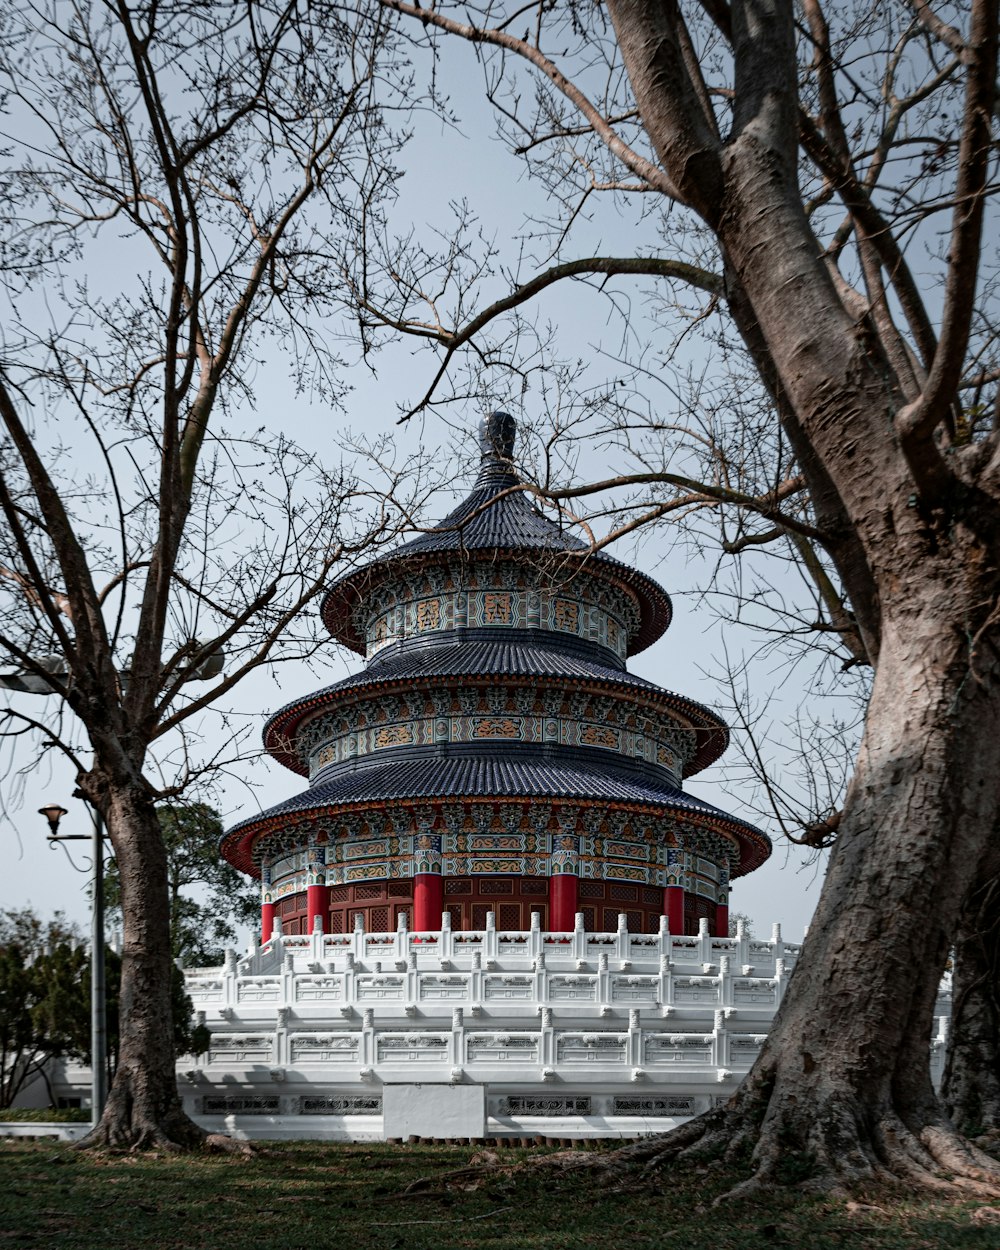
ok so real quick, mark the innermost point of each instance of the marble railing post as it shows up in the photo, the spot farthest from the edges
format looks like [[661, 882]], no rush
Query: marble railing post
[[622, 937], [368, 1048], [720, 1041], [316, 953], [541, 978], [445, 946], [412, 991], [579, 937], [534, 936], [704, 942], [476, 982], [664, 936], [725, 981], [665, 990], [780, 981], [743, 941], [603, 981], [547, 1039], [456, 1042], [358, 938], [634, 1052], [402, 937], [490, 937]]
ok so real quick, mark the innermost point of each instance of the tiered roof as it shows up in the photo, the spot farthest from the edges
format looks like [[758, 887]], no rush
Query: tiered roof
[[496, 520]]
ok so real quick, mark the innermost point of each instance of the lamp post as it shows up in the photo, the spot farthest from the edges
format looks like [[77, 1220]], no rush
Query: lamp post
[[53, 813]]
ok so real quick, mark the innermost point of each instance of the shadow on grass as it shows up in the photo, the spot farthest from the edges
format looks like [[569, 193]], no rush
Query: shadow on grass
[[308, 1195]]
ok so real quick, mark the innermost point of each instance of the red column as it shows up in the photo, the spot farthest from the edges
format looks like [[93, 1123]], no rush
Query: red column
[[317, 904], [722, 920], [428, 902], [563, 893], [266, 921], [673, 908]]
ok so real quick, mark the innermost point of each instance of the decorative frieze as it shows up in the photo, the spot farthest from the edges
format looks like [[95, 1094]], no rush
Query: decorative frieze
[[497, 594], [491, 714], [484, 839]]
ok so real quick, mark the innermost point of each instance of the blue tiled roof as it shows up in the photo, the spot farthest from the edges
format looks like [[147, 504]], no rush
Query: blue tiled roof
[[496, 660], [495, 514], [496, 517], [506, 776]]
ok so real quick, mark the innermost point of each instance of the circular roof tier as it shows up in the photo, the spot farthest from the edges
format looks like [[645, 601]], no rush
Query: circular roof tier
[[497, 517], [512, 661], [490, 683], [484, 779]]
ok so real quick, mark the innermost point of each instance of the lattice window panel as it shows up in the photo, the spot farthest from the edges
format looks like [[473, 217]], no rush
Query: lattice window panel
[[653, 922], [363, 892], [400, 889], [651, 896], [589, 918], [241, 1106], [497, 885], [654, 1106], [535, 886], [591, 889], [457, 919], [634, 921], [610, 919], [340, 893], [479, 912], [357, 1105], [379, 922], [458, 885], [510, 916], [527, 1104], [336, 922], [619, 893]]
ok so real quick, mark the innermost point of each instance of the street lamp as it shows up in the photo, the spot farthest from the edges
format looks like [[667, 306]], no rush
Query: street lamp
[[53, 813]]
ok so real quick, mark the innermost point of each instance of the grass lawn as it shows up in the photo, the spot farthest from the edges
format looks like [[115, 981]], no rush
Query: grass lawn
[[308, 1195]]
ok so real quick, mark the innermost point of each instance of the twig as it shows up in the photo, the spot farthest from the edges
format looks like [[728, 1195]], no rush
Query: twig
[[461, 1219]]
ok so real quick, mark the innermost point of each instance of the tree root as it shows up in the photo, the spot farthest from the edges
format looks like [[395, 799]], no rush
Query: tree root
[[175, 1134], [833, 1150]]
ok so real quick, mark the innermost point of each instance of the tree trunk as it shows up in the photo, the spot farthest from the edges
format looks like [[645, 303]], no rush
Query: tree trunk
[[143, 1109], [971, 1086], [841, 1092]]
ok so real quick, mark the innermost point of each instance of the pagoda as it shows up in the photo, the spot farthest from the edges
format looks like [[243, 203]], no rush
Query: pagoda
[[495, 755]]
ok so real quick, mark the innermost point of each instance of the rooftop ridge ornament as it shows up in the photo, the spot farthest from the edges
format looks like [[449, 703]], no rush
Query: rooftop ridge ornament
[[497, 435]]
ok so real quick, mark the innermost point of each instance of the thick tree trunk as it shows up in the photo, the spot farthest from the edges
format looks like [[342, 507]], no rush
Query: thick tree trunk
[[841, 1092], [143, 1109], [971, 1086]]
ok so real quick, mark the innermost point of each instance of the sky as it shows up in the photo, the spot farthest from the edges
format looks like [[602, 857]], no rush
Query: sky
[[443, 165]]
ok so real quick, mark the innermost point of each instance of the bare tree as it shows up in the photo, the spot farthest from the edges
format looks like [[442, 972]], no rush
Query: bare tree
[[186, 188], [824, 176]]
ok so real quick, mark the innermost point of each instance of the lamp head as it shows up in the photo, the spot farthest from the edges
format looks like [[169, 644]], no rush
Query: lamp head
[[53, 813]]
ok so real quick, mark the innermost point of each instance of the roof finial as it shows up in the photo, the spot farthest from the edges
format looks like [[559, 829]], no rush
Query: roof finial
[[496, 437]]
